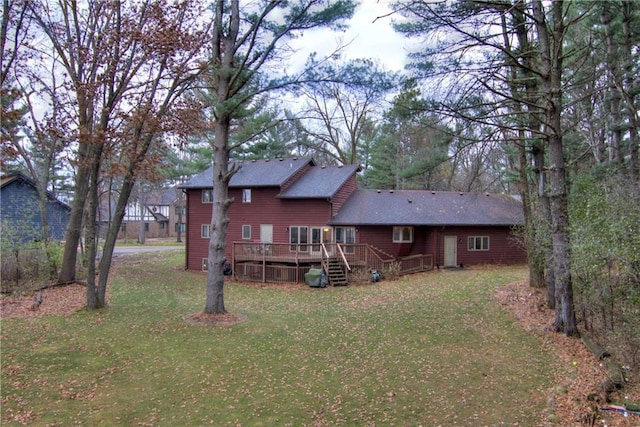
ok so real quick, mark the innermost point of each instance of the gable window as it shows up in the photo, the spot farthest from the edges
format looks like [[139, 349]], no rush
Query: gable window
[[205, 231], [207, 196], [478, 243], [246, 195], [246, 232], [402, 234], [299, 238]]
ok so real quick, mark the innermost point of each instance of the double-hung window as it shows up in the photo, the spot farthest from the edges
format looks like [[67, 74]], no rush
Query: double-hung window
[[478, 243], [246, 232], [402, 234], [207, 196], [205, 231]]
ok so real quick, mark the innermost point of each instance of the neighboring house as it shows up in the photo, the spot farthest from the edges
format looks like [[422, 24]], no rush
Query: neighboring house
[[289, 215], [20, 210], [161, 214]]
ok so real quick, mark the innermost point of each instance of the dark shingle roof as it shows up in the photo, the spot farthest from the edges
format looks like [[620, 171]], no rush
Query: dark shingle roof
[[319, 182], [7, 179], [254, 173], [415, 207]]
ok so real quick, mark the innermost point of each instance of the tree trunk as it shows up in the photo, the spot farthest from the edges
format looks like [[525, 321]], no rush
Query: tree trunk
[[528, 103], [613, 98], [550, 40], [630, 92], [91, 232], [220, 219], [142, 203], [74, 227], [112, 236]]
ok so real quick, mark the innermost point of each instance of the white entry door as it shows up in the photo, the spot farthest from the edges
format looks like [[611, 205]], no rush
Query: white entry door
[[266, 233], [450, 251]]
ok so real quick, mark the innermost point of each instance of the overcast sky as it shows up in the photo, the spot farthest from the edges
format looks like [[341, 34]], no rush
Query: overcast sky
[[366, 36]]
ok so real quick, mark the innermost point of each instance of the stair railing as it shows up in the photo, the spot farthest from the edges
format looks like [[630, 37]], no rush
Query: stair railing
[[324, 258], [344, 258]]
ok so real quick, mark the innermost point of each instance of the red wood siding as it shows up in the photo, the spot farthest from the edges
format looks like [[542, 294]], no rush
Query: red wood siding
[[503, 248], [295, 177], [343, 194], [382, 238], [264, 208], [198, 213]]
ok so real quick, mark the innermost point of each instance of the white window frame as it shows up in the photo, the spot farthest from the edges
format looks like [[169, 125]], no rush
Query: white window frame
[[207, 196], [205, 264], [246, 195], [477, 243], [205, 231], [399, 234], [246, 232], [346, 236], [299, 246]]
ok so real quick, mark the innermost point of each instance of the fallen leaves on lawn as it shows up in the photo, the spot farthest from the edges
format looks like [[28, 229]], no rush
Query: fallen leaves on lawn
[[58, 300], [579, 372], [218, 319]]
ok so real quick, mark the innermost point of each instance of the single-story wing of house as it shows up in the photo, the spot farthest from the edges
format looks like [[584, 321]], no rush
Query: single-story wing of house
[[290, 215]]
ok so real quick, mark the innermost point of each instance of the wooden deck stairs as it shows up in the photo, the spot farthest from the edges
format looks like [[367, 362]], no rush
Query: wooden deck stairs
[[336, 274]]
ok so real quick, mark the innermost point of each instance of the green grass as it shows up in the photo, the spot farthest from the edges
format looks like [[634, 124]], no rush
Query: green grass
[[429, 349]]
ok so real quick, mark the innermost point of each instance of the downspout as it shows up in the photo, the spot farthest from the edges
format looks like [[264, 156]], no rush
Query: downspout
[[186, 234]]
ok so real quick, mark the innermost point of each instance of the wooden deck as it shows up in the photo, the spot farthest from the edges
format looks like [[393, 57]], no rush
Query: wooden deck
[[286, 263]]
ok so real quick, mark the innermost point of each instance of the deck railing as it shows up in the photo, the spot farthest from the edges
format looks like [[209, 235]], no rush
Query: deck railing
[[284, 262]]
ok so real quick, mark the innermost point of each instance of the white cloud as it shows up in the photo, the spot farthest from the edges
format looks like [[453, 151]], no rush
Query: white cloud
[[370, 35]]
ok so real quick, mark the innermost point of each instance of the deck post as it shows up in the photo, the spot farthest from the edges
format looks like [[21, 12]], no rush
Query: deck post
[[264, 264]]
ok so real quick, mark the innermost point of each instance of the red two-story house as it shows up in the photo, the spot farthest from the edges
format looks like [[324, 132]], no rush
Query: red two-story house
[[290, 214]]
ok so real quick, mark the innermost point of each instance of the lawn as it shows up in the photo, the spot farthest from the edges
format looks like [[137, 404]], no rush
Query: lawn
[[429, 349]]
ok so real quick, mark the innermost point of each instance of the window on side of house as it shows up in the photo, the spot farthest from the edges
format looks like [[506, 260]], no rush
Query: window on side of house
[[299, 238], [246, 232], [346, 236], [402, 234], [205, 231], [205, 264], [478, 243], [207, 196], [246, 195]]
